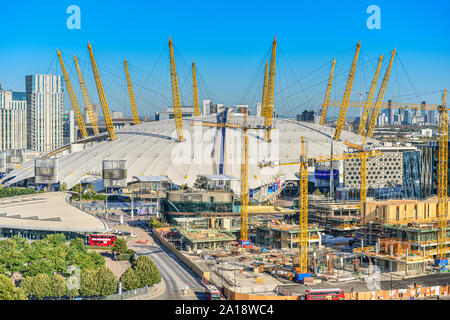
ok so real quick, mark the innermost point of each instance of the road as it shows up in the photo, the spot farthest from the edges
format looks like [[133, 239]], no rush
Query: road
[[174, 273]]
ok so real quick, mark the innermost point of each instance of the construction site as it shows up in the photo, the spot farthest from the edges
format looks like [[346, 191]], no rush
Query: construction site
[[273, 203]]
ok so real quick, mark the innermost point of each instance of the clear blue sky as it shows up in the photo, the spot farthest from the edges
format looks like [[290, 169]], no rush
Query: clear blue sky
[[229, 40]]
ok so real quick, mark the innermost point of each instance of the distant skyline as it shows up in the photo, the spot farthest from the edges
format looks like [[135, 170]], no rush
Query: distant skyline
[[229, 41]]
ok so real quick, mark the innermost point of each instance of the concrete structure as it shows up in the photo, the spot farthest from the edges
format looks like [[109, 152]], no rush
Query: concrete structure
[[13, 121], [44, 112], [206, 239], [36, 215], [186, 111], [206, 107]]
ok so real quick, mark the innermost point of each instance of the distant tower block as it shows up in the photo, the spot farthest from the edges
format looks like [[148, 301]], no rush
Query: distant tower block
[[46, 171], [2, 162], [114, 173]]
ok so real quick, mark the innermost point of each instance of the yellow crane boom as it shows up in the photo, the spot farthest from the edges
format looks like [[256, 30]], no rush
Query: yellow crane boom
[[323, 116], [264, 96], [131, 94], [87, 101], [442, 181], [195, 90], [381, 92], [102, 97], [368, 105], [73, 99], [175, 94], [270, 91], [348, 91]]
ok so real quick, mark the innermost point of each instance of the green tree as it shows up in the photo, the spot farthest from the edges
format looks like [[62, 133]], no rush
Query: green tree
[[39, 286], [89, 283], [91, 190], [107, 281], [58, 286], [317, 192], [154, 223], [63, 187], [58, 239], [146, 271], [201, 183], [8, 291], [130, 279], [120, 246], [77, 188]]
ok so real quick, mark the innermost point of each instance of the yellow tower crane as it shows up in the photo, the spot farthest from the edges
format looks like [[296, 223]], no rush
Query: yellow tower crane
[[73, 99], [195, 90], [175, 94], [441, 256], [131, 94], [102, 97], [348, 91], [87, 101], [323, 116], [244, 170], [270, 92], [368, 105], [264, 95]]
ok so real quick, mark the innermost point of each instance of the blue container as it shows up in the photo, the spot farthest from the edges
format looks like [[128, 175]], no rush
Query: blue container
[[300, 276]]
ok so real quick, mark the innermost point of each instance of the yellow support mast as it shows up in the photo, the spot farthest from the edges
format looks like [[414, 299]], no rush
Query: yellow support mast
[[73, 99], [348, 91], [195, 90], [264, 95], [368, 105], [442, 182], [303, 211], [87, 101], [101, 95], [323, 116], [380, 97], [131, 94], [175, 94], [270, 92], [244, 189]]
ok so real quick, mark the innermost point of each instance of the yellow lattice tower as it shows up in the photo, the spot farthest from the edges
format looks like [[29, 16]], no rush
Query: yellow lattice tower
[[442, 180], [131, 95], [368, 105], [303, 212], [244, 187], [102, 97], [175, 94], [195, 90], [264, 95], [87, 101], [73, 99], [270, 91], [381, 92], [347, 93], [323, 116]]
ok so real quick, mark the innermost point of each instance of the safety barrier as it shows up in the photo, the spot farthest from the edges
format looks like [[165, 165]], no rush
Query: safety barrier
[[415, 293]]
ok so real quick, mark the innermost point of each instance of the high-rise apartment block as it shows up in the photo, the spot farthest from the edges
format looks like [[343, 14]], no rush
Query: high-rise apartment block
[[13, 120]]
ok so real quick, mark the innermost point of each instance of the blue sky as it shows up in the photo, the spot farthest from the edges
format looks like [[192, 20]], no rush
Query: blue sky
[[229, 41]]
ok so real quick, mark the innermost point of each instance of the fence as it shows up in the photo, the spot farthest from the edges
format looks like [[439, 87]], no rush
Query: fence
[[125, 294], [399, 294]]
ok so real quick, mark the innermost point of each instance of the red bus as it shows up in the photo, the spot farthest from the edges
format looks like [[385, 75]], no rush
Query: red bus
[[325, 294], [102, 240]]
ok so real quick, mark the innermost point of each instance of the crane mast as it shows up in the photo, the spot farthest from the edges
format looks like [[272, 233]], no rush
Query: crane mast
[[73, 99], [380, 97], [270, 91], [368, 105], [101, 95], [131, 94], [244, 189], [442, 182], [87, 101], [348, 91], [303, 212], [175, 94], [323, 116], [264, 95], [195, 90]]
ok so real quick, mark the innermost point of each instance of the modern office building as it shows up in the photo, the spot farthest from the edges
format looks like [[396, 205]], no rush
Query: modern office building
[[69, 129], [13, 120], [206, 107], [44, 93], [186, 111]]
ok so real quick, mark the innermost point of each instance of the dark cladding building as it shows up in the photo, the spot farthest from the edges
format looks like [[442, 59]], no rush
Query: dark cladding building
[[429, 169]]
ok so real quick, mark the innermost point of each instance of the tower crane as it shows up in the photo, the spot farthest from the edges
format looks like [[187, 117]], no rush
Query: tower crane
[[73, 99], [87, 101], [244, 170], [175, 94], [195, 90], [348, 91], [131, 94], [368, 105], [323, 116], [101, 95], [270, 92], [264, 95], [303, 194]]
